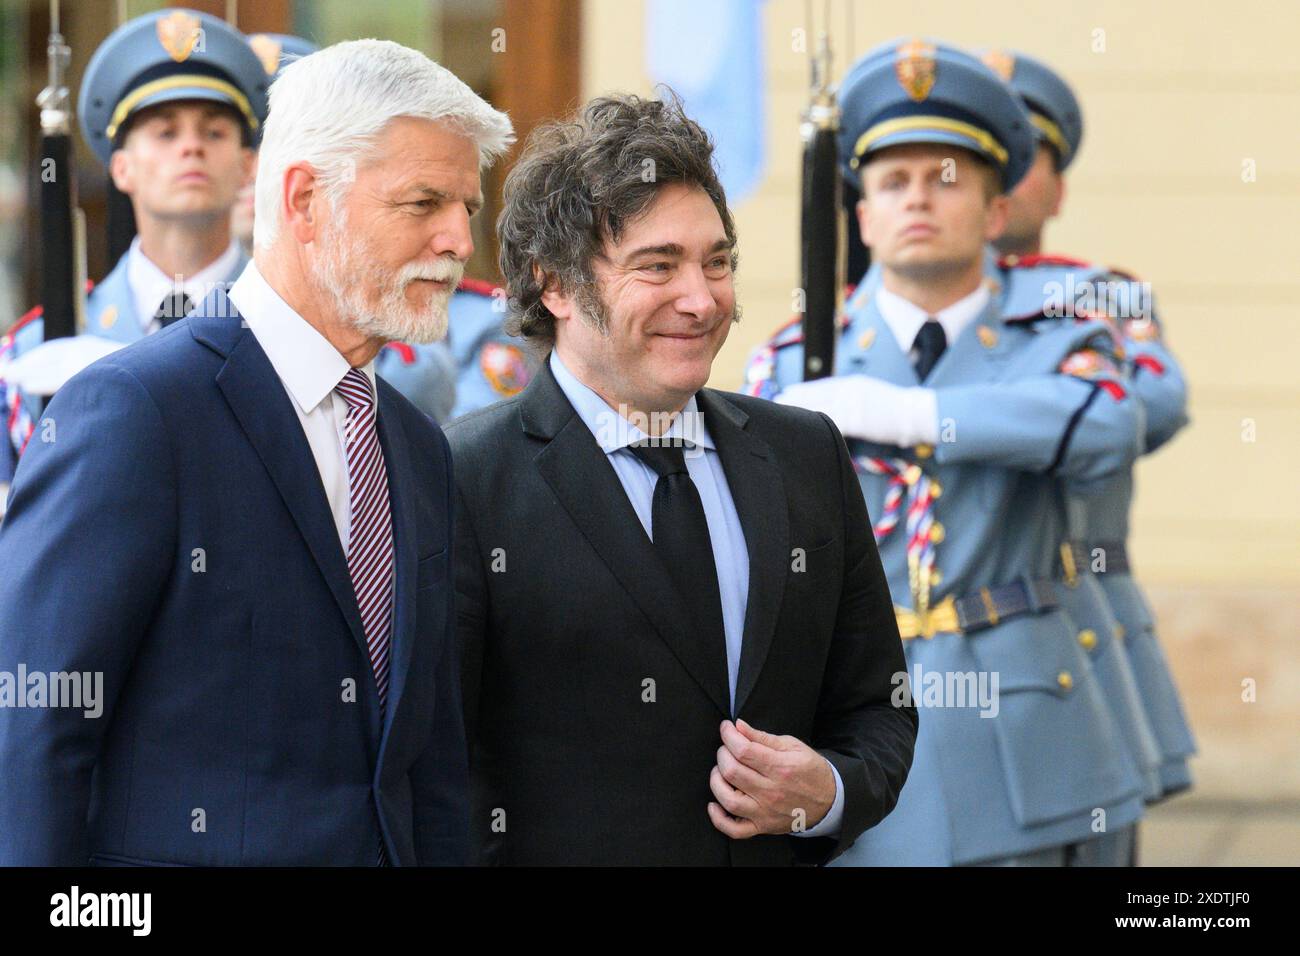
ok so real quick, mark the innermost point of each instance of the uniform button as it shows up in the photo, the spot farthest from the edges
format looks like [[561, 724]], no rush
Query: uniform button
[[924, 451], [936, 489], [936, 532], [1088, 638], [1065, 680], [936, 576]]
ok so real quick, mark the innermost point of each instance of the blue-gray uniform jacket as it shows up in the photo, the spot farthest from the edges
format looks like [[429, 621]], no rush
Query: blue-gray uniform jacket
[[1099, 520], [490, 365], [1037, 771], [1024, 291]]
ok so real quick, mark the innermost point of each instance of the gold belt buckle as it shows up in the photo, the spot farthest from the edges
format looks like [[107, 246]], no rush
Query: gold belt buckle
[[940, 618]]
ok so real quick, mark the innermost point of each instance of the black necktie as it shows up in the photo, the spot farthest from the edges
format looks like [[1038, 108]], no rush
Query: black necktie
[[176, 306], [681, 537], [930, 343]]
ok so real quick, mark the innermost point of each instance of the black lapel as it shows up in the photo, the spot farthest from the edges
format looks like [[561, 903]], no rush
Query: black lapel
[[758, 490], [264, 410], [585, 482]]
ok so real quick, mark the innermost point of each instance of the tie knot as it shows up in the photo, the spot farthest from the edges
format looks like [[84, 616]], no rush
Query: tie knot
[[931, 334], [665, 459], [355, 389]]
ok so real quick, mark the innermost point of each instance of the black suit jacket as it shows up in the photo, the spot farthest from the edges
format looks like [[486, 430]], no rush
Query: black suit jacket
[[593, 720]]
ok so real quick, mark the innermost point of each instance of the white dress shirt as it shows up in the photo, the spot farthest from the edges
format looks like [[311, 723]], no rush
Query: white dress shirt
[[614, 434], [905, 318], [150, 285], [310, 368]]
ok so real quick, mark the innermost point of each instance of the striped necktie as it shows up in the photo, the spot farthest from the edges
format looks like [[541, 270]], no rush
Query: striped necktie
[[370, 530]]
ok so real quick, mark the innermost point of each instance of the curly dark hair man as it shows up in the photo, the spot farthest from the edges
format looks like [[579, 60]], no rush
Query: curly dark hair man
[[579, 183], [647, 678]]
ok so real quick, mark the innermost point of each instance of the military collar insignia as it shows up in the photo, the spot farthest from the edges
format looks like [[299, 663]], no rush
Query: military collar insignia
[[108, 318], [915, 68], [867, 339], [178, 32]]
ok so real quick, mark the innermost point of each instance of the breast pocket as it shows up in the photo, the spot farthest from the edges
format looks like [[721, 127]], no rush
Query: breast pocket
[[812, 567]]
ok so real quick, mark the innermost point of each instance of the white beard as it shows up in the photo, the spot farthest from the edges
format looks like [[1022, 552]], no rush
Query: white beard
[[373, 300]]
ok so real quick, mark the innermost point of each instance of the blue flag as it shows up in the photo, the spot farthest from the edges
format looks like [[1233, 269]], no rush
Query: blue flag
[[710, 53]]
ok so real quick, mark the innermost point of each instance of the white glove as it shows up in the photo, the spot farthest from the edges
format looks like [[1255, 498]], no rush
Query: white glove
[[869, 408], [43, 370]]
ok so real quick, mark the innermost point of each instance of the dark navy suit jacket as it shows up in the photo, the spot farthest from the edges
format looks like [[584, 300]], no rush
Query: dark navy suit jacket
[[168, 529]]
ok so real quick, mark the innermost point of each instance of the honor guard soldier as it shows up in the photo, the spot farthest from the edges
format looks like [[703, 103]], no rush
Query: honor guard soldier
[[1019, 280], [961, 424], [171, 104], [1028, 292], [1097, 554], [426, 374]]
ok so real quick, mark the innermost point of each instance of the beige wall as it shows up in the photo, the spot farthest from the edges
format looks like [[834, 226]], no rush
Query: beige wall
[[1181, 97]]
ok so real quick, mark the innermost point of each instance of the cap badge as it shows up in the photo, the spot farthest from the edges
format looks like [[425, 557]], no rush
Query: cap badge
[[915, 68], [1001, 63], [178, 32], [268, 51]]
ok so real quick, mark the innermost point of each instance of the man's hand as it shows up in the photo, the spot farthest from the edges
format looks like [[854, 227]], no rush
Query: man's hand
[[767, 784], [869, 408]]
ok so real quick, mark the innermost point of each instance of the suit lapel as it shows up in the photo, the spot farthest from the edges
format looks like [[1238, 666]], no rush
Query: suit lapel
[[758, 491], [584, 481], [262, 407]]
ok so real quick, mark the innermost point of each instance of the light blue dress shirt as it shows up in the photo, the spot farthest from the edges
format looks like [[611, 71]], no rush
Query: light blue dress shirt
[[614, 434]]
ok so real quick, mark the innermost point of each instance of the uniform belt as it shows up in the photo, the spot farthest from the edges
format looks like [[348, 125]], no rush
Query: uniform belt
[[1115, 553], [985, 608], [1077, 556]]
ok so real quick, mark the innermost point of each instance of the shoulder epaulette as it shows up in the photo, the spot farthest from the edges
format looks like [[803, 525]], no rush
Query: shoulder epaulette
[[791, 333], [478, 287], [1026, 262], [1028, 318]]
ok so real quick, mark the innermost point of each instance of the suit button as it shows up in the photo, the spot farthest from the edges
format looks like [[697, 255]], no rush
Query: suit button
[[1088, 638], [1065, 680]]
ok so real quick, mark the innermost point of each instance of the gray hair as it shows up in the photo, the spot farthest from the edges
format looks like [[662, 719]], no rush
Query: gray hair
[[329, 109], [581, 182]]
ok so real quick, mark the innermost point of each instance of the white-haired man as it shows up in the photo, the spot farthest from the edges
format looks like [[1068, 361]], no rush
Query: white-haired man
[[261, 557]]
